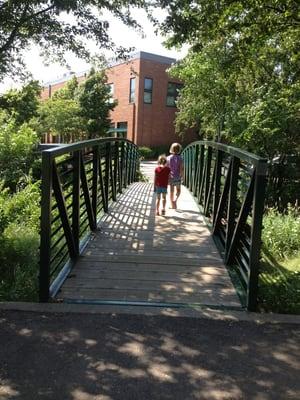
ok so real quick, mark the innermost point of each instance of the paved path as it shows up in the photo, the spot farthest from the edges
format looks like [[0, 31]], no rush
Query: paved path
[[140, 257], [56, 356]]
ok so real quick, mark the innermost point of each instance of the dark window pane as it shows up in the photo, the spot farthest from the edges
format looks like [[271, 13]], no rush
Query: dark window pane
[[121, 129], [132, 90], [170, 101], [148, 97], [148, 84], [172, 93]]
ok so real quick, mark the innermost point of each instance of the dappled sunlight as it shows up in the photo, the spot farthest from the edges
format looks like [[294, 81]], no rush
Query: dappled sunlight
[[7, 391], [79, 394], [289, 359], [161, 372], [136, 349], [90, 342], [25, 332], [125, 357], [137, 257], [224, 393], [172, 346]]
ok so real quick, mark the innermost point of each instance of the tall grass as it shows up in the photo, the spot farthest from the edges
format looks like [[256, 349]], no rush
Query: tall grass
[[279, 283]]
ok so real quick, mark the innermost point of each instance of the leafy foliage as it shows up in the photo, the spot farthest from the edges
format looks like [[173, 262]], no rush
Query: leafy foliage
[[19, 242], [57, 26], [95, 104], [60, 116], [17, 144], [22, 104], [77, 111], [279, 280], [281, 233], [242, 73]]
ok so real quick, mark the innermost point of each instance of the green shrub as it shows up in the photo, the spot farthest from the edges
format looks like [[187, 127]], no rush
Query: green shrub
[[146, 153], [279, 280], [281, 233], [279, 287], [19, 263], [17, 144], [19, 243], [158, 150], [152, 153]]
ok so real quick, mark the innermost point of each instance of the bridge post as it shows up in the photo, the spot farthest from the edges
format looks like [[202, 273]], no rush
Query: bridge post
[[256, 228], [76, 199], [95, 180], [45, 234]]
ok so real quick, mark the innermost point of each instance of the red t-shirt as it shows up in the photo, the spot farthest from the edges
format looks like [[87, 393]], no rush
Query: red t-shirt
[[162, 176]]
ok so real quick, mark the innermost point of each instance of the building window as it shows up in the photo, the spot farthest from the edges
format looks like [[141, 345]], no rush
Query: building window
[[111, 92], [121, 130], [132, 90], [172, 93], [148, 86]]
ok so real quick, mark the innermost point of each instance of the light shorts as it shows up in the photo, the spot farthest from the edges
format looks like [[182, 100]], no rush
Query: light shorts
[[175, 181], [159, 190]]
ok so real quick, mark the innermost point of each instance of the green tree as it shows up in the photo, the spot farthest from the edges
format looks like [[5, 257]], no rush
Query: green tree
[[60, 116], [22, 104], [242, 72], [69, 91], [17, 144], [95, 104], [57, 26]]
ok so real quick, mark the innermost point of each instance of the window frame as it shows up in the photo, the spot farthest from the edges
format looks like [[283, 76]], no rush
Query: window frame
[[132, 92], [148, 90], [111, 91], [177, 86]]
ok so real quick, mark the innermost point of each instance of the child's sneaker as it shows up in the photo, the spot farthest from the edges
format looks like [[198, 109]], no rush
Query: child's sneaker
[[163, 212]]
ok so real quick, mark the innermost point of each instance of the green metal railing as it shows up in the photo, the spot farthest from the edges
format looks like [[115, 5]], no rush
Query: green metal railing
[[79, 181], [229, 185]]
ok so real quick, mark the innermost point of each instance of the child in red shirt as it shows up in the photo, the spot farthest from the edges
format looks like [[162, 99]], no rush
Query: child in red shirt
[[161, 183]]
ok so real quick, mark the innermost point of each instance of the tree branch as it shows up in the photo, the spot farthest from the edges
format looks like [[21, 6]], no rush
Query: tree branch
[[22, 21]]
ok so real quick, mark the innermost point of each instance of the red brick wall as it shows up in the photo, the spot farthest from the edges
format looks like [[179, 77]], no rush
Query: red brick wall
[[147, 124], [120, 76]]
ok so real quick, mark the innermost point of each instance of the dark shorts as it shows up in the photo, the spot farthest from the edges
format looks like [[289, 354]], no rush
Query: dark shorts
[[160, 190], [175, 181]]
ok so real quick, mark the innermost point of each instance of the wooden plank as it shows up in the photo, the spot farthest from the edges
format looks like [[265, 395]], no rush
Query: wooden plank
[[157, 276], [130, 257], [146, 284], [208, 297], [201, 269]]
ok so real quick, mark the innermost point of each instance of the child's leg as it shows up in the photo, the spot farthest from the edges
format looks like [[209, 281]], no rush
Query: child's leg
[[157, 203], [178, 191], [172, 196], [164, 201]]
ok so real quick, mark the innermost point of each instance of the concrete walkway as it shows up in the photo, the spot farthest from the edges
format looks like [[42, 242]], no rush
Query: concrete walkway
[[72, 356]]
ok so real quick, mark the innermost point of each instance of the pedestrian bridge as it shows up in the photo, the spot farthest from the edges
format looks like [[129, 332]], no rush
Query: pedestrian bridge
[[101, 242]]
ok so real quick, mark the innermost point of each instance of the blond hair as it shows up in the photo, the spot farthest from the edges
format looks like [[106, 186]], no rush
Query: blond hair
[[162, 160], [175, 148]]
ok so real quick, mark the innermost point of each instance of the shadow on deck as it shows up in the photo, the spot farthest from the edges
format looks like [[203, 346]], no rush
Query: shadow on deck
[[138, 258]]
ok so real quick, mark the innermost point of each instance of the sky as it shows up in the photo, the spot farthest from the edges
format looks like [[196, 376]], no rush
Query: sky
[[121, 35]]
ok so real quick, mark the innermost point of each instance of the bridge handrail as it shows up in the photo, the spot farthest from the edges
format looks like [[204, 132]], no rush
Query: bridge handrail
[[229, 184], [79, 181], [234, 151]]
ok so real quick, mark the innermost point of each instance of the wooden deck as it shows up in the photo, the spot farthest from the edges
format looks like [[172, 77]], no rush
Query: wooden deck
[[140, 257]]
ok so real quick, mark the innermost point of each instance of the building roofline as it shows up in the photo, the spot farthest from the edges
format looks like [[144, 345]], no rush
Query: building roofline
[[139, 55], [143, 55]]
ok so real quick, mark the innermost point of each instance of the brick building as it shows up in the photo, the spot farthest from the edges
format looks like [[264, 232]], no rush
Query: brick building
[[146, 97]]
